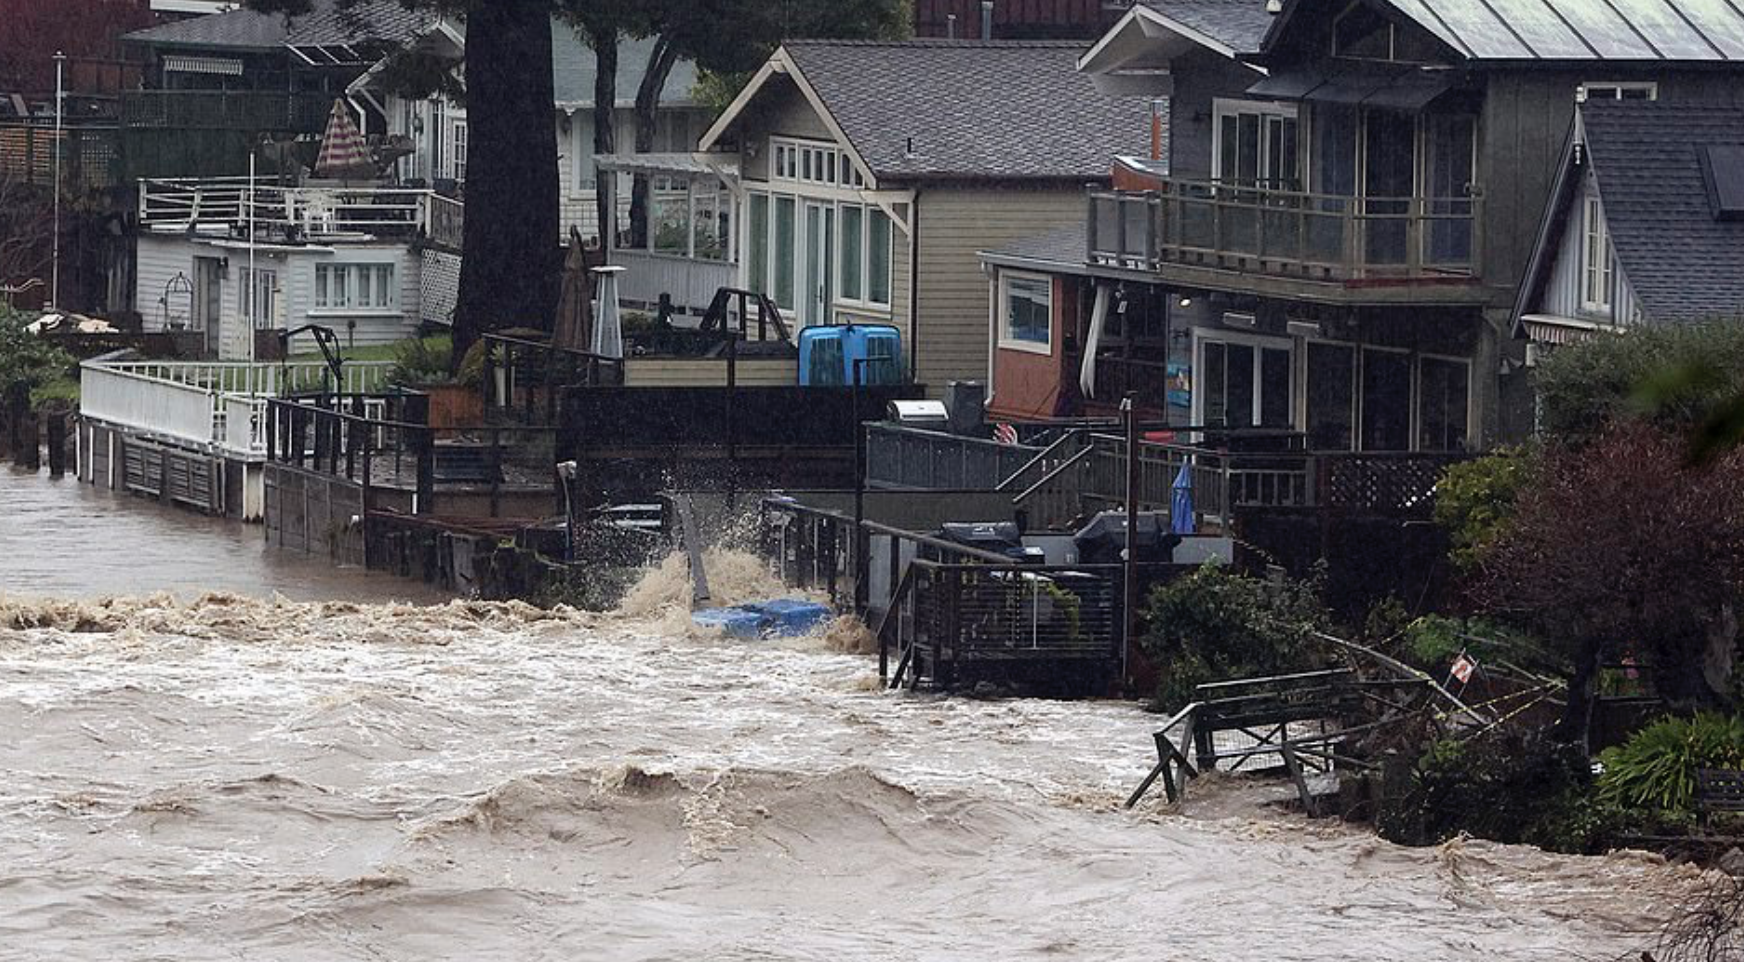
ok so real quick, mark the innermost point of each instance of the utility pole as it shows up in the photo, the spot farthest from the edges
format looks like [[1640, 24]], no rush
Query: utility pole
[[54, 294], [1129, 579]]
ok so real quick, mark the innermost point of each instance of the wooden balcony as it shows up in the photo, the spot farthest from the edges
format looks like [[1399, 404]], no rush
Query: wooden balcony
[[245, 110], [1194, 230], [309, 213]]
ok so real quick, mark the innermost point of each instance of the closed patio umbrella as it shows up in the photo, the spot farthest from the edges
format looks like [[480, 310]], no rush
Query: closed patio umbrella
[[1181, 502], [343, 152]]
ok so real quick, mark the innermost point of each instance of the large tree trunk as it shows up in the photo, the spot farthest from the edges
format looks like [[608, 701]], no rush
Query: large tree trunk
[[661, 60], [605, 107], [509, 275]]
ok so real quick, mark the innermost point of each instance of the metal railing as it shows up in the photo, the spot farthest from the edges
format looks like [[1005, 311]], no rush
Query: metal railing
[[1285, 232], [898, 457], [247, 110], [527, 378], [216, 405], [300, 213]]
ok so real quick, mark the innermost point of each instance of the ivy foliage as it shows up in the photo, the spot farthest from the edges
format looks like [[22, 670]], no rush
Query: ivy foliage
[[1215, 625], [27, 362]]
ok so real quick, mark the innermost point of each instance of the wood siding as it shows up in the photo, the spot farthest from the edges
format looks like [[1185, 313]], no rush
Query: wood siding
[[1200, 78], [710, 372], [161, 258], [1563, 292], [952, 308]]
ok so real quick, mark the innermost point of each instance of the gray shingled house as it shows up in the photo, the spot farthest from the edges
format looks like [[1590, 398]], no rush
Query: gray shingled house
[[1350, 203], [1646, 224], [873, 173]]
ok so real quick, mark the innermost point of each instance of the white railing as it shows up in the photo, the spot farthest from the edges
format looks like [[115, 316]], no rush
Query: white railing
[[298, 212], [691, 282], [219, 405]]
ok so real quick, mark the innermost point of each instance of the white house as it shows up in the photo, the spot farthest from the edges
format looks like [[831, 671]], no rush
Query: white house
[[371, 263], [436, 129]]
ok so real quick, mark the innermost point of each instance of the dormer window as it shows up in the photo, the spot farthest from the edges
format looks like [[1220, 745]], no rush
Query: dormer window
[[1361, 33]]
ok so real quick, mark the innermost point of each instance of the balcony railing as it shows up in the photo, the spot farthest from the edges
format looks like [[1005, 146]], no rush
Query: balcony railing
[[300, 213], [1262, 230], [247, 110]]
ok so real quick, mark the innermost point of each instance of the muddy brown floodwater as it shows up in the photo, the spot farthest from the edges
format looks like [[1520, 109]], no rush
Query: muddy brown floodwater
[[71, 540], [225, 778]]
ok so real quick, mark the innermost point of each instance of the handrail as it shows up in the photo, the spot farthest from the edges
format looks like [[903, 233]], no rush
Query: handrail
[[1168, 753], [1083, 452], [1076, 434]]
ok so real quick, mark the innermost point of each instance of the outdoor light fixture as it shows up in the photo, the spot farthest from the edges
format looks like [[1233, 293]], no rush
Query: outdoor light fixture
[[1186, 302]]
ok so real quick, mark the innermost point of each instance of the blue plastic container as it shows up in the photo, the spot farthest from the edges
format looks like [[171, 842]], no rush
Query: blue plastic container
[[784, 618], [827, 355]]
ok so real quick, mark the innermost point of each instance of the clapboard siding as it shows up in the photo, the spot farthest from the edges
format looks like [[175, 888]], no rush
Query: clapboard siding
[[952, 307], [705, 372]]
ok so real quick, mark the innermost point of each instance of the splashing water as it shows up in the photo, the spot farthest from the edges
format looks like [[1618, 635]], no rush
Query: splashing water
[[226, 778]]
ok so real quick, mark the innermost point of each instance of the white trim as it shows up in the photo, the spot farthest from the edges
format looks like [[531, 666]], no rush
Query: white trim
[[782, 63], [1222, 107], [1006, 341], [1594, 231], [1142, 12], [1651, 87], [1260, 341]]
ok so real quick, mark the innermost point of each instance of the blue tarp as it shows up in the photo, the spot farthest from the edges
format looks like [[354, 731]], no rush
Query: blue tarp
[[782, 618], [1181, 502]]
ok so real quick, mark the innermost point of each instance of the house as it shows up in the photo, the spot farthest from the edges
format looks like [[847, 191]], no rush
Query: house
[[436, 129], [224, 257], [1015, 19], [1645, 224], [1351, 192], [870, 173]]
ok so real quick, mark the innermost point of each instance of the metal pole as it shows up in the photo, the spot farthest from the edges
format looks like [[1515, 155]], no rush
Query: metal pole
[[859, 366], [1129, 578], [60, 103], [251, 287]]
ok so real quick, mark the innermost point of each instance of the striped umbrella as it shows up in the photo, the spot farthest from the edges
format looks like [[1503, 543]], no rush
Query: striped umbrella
[[343, 153]]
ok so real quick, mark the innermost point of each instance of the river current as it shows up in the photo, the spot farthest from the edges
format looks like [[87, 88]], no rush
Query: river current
[[237, 775]]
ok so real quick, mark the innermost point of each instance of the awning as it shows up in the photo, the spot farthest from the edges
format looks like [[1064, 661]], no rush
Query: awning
[[222, 66], [1556, 329], [671, 165], [1411, 90]]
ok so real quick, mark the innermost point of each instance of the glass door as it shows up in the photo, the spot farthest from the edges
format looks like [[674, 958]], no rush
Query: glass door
[[1451, 142], [820, 249], [208, 299], [1244, 384], [1389, 180]]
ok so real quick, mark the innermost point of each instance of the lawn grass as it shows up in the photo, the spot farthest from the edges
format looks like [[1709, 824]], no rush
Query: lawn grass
[[441, 343]]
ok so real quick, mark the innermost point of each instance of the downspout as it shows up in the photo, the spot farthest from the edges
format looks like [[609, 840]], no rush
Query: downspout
[[914, 284]]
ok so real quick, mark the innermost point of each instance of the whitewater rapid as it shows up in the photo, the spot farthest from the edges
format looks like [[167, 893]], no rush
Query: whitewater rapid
[[231, 779]]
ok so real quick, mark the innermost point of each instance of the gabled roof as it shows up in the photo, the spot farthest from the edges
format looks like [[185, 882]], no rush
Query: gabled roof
[[1574, 30], [958, 110], [1236, 25], [1683, 263]]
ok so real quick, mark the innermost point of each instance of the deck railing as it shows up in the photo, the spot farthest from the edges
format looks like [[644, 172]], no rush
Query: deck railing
[[246, 110], [214, 405], [1287, 233], [300, 213], [898, 457], [690, 282]]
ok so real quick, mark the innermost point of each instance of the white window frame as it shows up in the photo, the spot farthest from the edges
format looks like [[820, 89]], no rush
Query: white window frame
[[249, 286], [1222, 107], [816, 163], [457, 138], [355, 273], [1614, 90], [1598, 259], [867, 216], [1256, 341], [1006, 341], [835, 199]]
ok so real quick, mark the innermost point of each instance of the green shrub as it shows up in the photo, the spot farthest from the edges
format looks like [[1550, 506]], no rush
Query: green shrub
[[1655, 770], [421, 361], [1585, 389], [27, 362], [1504, 786], [1474, 500], [1214, 625]]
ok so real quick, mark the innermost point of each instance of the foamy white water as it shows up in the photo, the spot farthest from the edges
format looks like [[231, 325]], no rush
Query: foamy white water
[[235, 779]]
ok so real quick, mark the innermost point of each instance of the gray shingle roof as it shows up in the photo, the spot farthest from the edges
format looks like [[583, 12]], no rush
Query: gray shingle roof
[[236, 29], [1239, 25], [385, 21], [1676, 30], [1063, 249], [971, 110], [1682, 263], [574, 66]]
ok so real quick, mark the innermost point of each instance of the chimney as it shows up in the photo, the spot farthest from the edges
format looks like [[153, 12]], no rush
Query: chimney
[[986, 19]]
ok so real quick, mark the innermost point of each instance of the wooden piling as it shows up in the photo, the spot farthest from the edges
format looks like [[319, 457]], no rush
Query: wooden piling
[[57, 444]]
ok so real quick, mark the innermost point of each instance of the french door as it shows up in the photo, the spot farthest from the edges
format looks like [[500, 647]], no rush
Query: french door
[[820, 253]]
